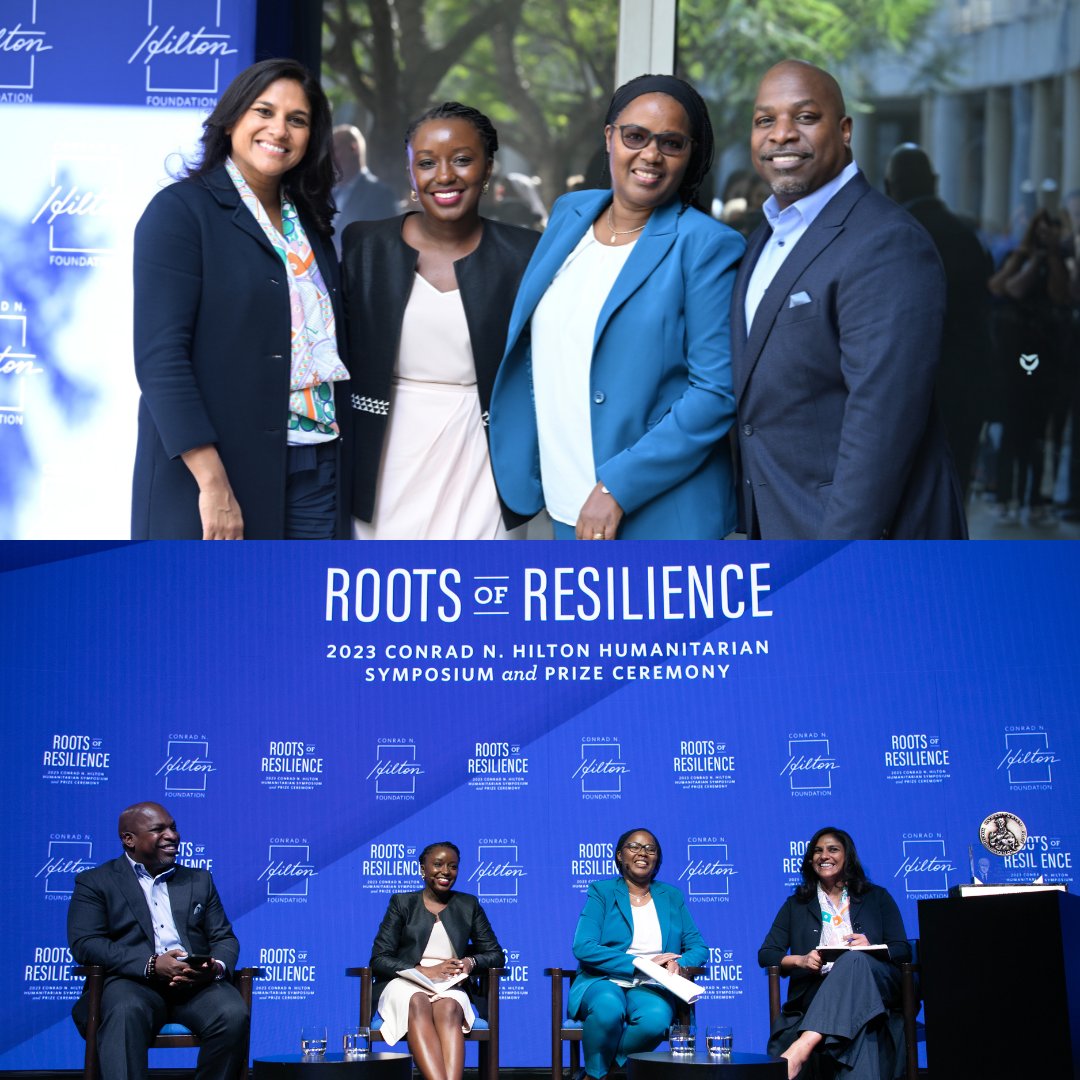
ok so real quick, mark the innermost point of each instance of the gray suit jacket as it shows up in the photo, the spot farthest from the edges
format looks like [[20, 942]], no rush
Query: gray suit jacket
[[109, 921], [838, 432]]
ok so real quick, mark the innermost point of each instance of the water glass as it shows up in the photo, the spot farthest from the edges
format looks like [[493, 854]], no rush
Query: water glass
[[691, 1042], [313, 1040], [718, 1040], [356, 1043], [679, 1040]]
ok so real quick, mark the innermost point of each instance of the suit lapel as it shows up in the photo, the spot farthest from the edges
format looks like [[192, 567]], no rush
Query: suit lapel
[[757, 242], [663, 915], [660, 233], [622, 902], [543, 270], [135, 897], [827, 226], [224, 190]]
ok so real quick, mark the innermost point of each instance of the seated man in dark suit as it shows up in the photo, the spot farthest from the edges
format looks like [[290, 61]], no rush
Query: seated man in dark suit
[[139, 916]]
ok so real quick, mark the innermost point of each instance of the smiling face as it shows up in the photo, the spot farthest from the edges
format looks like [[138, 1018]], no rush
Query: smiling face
[[448, 167], [800, 138], [271, 136], [828, 858], [646, 178], [638, 866], [149, 836], [439, 869]]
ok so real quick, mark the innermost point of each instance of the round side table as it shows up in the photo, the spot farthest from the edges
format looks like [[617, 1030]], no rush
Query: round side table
[[298, 1067], [700, 1066]]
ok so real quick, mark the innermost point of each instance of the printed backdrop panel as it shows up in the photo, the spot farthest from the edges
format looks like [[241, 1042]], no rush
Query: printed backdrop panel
[[313, 715]]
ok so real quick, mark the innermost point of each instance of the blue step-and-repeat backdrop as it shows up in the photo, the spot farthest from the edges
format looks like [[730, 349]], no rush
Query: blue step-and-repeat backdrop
[[314, 714], [100, 100]]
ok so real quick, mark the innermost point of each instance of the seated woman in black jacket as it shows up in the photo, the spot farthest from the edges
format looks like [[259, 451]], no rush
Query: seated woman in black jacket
[[840, 1009], [446, 935]]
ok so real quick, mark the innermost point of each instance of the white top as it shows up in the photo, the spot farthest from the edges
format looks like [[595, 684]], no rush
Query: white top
[[648, 940], [563, 334], [788, 226]]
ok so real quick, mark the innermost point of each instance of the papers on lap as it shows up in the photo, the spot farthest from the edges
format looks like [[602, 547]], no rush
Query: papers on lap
[[680, 987], [418, 977], [832, 953]]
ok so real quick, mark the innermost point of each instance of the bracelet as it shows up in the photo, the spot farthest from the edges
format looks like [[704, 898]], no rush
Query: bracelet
[[151, 966]]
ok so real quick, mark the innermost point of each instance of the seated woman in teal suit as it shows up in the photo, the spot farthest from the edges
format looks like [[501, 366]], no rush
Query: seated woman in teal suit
[[632, 915], [614, 399]]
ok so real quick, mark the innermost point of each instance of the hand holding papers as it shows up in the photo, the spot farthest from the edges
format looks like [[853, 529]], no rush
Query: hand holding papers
[[680, 987], [417, 976]]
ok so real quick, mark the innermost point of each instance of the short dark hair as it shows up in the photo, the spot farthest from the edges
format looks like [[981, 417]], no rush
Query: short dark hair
[[308, 184], [621, 842], [454, 110], [854, 876], [432, 847]]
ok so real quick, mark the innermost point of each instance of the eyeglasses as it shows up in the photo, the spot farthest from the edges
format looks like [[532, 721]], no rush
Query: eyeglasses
[[634, 847], [669, 143]]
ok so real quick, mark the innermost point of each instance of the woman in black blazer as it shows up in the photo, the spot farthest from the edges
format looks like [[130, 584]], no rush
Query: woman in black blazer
[[837, 1014], [427, 301], [447, 936], [235, 326]]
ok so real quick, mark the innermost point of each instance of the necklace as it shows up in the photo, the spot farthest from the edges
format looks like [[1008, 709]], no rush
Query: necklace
[[615, 233], [640, 898]]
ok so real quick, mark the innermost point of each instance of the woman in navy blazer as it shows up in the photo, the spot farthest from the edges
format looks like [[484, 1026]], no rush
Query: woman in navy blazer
[[636, 382], [632, 915], [215, 312], [840, 1015]]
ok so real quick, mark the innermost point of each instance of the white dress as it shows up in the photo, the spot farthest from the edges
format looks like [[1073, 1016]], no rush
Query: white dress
[[394, 1000], [435, 480]]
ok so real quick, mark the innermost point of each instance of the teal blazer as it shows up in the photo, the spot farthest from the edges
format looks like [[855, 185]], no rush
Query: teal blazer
[[661, 394], [606, 928]]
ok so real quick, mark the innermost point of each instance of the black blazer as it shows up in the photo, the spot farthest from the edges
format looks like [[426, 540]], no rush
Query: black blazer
[[407, 925], [212, 356], [377, 279], [109, 921], [797, 929]]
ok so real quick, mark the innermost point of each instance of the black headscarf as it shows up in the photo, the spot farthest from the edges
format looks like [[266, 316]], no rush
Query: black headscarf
[[697, 112]]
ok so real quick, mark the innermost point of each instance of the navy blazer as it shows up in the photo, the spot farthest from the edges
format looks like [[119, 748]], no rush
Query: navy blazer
[[109, 922], [404, 931], [838, 433], [606, 928], [212, 335], [660, 375], [797, 929]]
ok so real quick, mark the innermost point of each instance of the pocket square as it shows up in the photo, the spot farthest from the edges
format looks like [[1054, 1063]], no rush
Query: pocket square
[[197, 912], [797, 299]]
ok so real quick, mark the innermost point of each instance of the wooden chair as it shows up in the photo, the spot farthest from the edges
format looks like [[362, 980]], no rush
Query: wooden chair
[[485, 1033], [909, 1006], [171, 1035], [564, 1030]]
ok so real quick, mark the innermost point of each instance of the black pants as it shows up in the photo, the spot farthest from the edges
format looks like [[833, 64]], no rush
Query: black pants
[[311, 491]]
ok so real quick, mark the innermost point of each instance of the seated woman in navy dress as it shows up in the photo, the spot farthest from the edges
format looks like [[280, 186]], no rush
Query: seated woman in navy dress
[[632, 915], [836, 1014]]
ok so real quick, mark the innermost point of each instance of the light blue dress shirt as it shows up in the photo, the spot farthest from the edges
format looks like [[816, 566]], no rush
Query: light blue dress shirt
[[788, 225]]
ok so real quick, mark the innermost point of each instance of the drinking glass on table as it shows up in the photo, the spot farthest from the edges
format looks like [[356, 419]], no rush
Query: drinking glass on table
[[718, 1040], [679, 1040], [313, 1040], [357, 1042]]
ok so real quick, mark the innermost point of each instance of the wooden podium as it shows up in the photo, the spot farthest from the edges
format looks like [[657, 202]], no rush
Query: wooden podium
[[1001, 985]]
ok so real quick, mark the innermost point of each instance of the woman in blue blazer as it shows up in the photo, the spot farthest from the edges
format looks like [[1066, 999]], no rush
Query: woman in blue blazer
[[837, 1014], [235, 329], [614, 399], [632, 915]]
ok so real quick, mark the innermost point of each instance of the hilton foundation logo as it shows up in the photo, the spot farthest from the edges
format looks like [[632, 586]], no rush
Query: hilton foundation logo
[[22, 43], [68, 854], [925, 867], [497, 872], [395, 770], [181, 51], [810, 764], [186, 766], [18, 364], [1028, 760], [601, 768], [708, 870], [77, 208], [288, 870]]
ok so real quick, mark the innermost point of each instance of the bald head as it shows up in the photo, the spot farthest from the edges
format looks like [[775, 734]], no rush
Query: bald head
[[350, 150], [149, 836], [801, 136], [909, 174]]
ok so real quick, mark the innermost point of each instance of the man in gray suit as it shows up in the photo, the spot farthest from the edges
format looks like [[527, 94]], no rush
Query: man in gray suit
[[146, 919], [836, 335]]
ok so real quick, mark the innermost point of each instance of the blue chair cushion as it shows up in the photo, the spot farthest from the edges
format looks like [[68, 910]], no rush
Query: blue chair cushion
[[174, 1029], [572, 1024], [479, 1024]]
